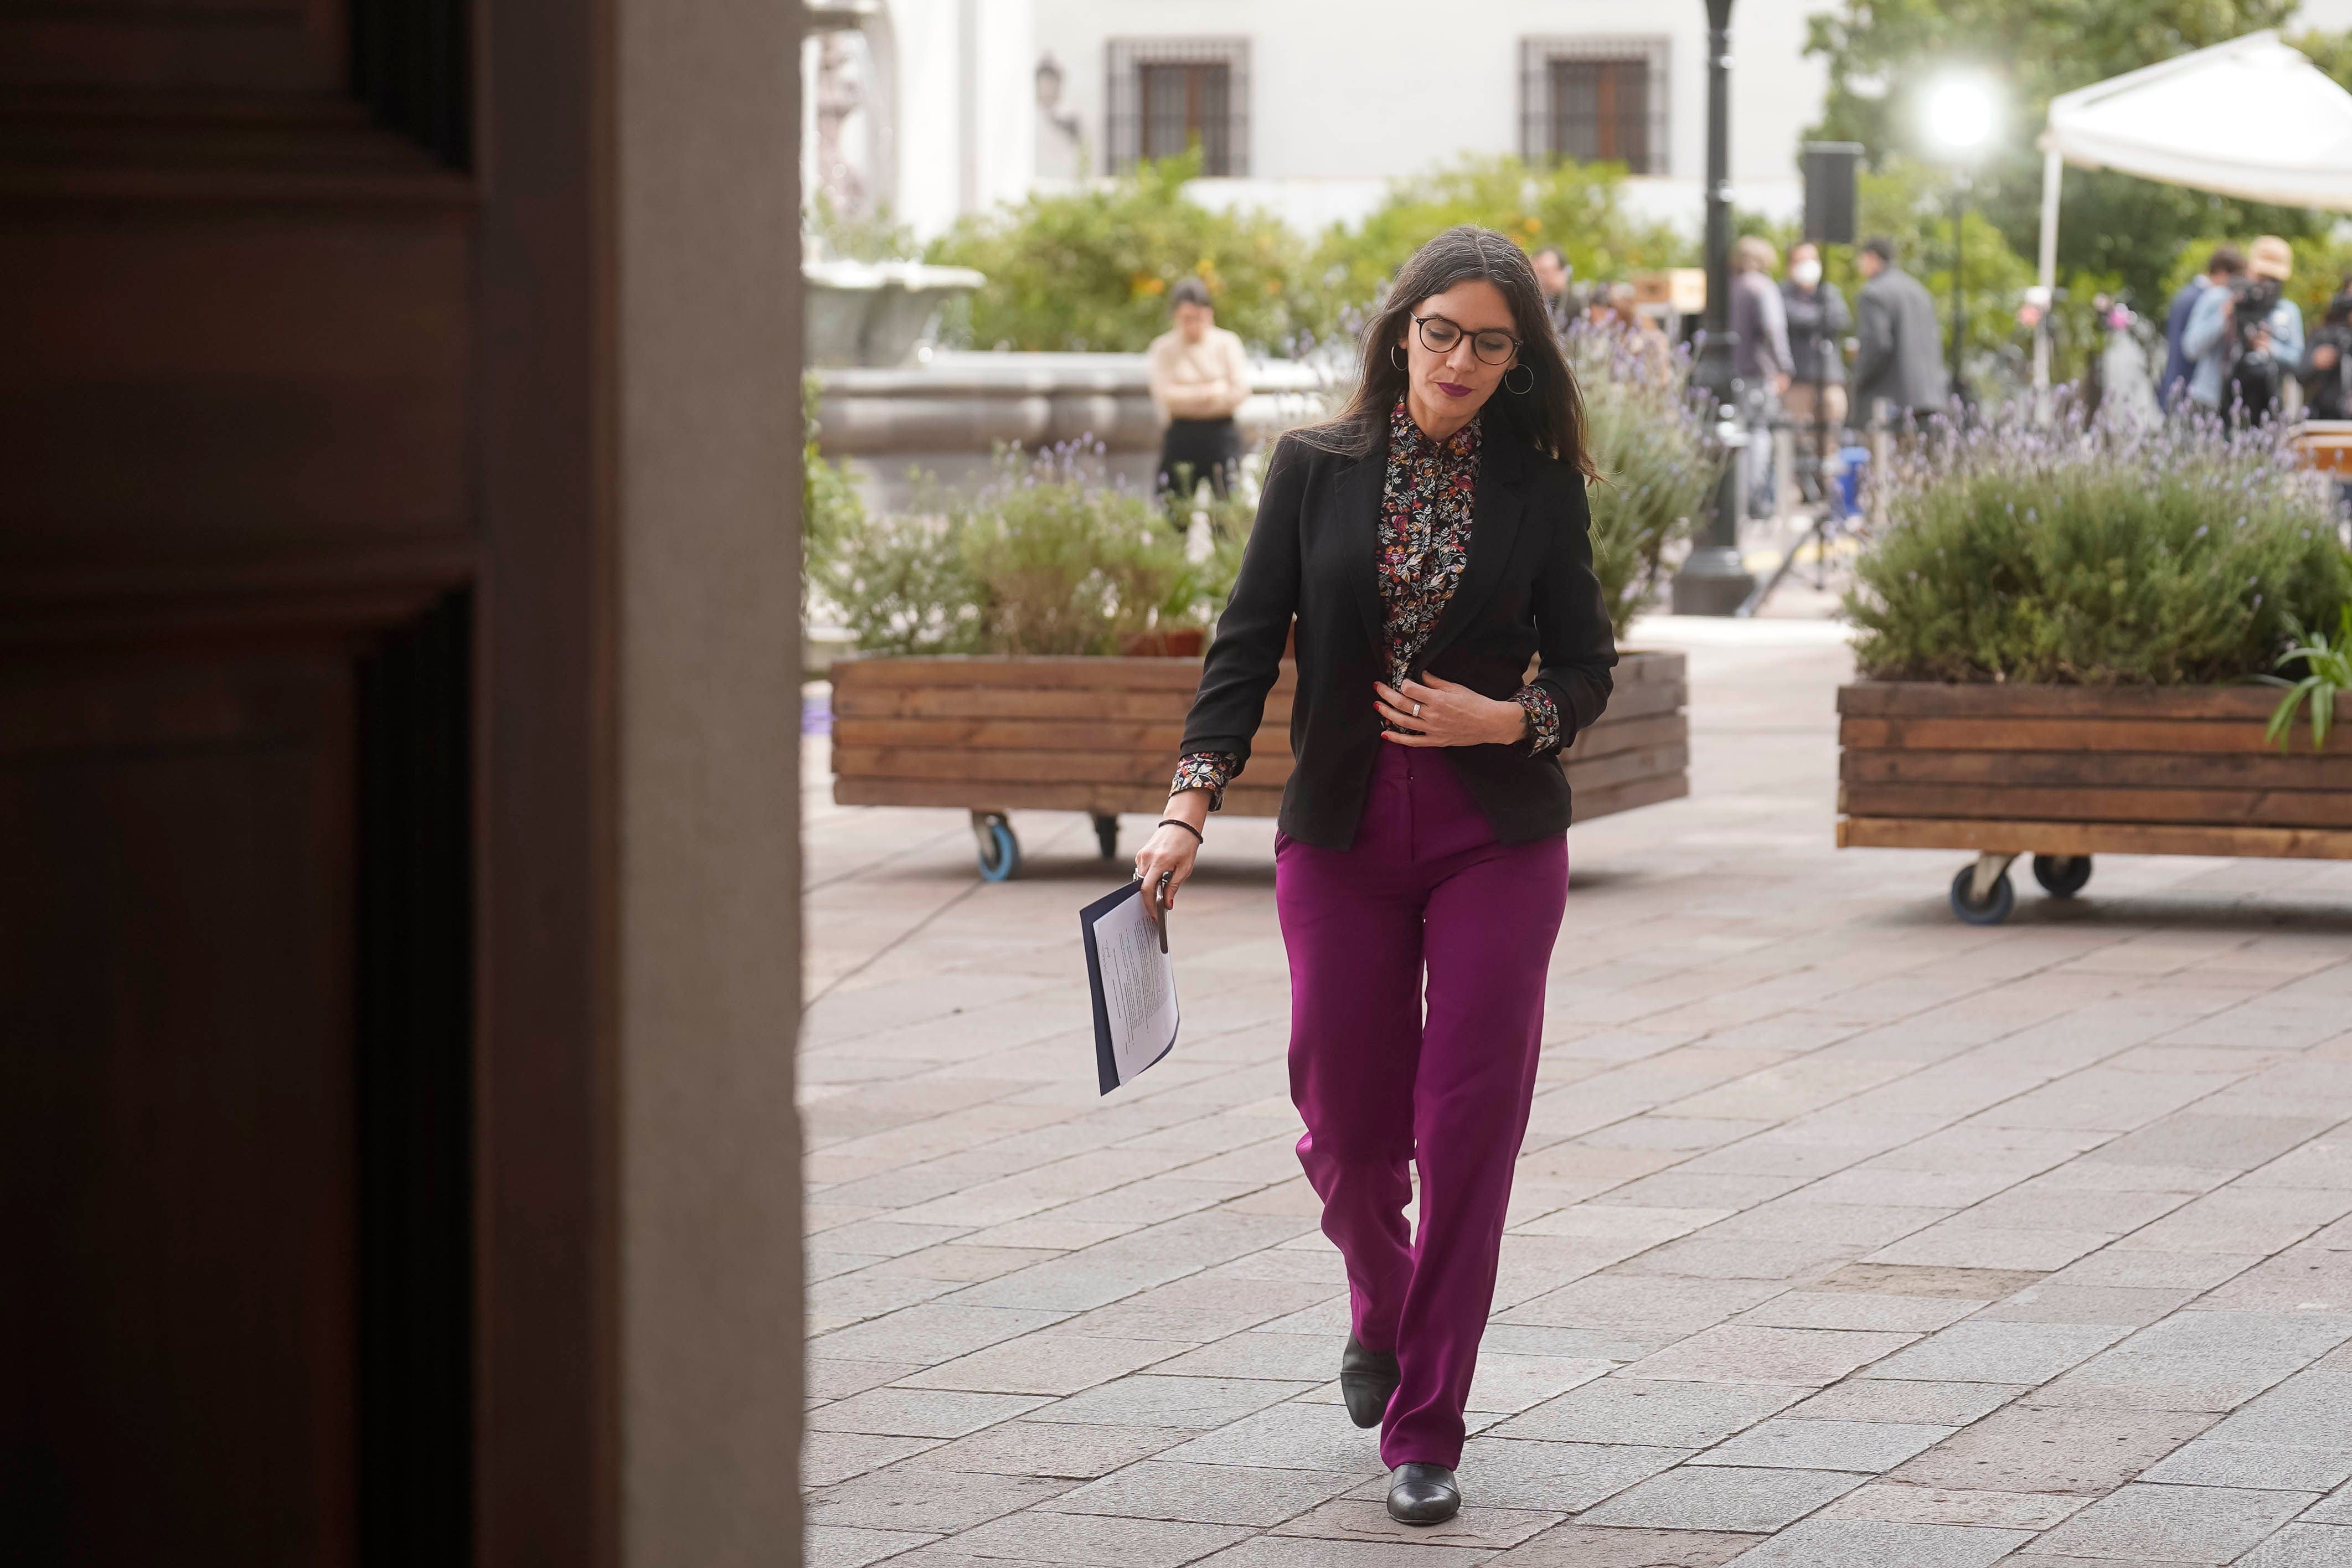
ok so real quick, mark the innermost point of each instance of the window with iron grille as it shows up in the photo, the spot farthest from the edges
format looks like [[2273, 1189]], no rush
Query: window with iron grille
[[1594, 100], [1166, 95]]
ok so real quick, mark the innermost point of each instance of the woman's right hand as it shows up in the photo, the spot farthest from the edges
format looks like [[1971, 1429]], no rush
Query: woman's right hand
[[1171, 851]]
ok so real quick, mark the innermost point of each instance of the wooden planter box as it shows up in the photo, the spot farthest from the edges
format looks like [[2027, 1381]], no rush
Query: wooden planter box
[[1100, 735], [2066, 772]]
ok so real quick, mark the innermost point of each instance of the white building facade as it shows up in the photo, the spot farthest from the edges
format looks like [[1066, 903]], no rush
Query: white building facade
[[942, 107], [1310, 109], [937, 108]]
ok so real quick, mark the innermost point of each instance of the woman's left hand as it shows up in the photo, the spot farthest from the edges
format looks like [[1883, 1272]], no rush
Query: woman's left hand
[[1434, 712]]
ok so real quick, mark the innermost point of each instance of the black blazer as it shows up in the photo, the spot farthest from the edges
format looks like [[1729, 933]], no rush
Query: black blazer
[[1527, 588]]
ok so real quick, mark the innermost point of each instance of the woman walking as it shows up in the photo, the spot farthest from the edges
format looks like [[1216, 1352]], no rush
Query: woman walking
[[1430, 541]]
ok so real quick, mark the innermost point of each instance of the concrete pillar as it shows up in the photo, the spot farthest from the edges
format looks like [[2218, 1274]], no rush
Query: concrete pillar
[[706, 421]]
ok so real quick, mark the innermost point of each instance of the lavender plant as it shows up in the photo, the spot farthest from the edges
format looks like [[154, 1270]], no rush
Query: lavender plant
[[1649, 442], [1044, 559], [2091, 554]]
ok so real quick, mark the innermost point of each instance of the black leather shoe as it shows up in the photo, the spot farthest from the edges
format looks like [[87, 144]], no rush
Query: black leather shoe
[[1424, 1494], [1367, 1378]]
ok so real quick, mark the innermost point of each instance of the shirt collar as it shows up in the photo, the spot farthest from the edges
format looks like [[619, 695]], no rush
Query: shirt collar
[[1406, 436]]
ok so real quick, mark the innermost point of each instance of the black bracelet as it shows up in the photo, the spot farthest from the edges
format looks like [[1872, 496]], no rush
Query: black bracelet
[[1174, 821]]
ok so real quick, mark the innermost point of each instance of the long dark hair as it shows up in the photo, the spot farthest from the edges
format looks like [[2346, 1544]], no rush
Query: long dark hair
[[1548, 416]]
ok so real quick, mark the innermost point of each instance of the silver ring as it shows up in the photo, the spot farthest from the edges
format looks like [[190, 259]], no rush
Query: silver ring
[[1417, 710]]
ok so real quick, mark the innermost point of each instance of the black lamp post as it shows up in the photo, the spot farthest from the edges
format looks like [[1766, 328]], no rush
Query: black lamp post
[[1959, 298], [1713, 581]]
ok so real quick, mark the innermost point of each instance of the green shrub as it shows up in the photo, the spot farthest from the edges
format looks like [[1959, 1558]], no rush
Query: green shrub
[[2096, 556], [1657, 476], [1091, 269], [1578, 207], [1043, 560], [830, 509]]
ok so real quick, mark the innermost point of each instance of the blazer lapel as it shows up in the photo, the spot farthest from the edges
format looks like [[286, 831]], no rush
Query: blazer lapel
[[1359, 500], [1493, 531]]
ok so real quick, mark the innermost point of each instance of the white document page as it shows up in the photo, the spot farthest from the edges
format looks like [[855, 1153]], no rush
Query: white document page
[[1139, 986]]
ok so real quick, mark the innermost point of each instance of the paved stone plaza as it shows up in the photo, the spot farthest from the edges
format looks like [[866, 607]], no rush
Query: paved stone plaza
[[1844, 1233]]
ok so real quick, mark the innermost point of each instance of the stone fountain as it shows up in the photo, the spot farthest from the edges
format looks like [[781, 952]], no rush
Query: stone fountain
[[877, 314]]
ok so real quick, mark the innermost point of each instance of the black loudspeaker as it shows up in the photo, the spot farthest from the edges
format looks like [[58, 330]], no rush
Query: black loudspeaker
[[1830, 200]]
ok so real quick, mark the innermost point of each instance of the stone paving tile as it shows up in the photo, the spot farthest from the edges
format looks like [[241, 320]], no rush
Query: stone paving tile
[[1053, 1448], [2200, 1361], [1584, 1546], [838, 1546], [941, 1502], [2033, 1449], [1622, 1409], [1976, 1352], [1791, 1117], [1859, 1310], [1907, 1401], [829, 1458], [1724, 1498], [1824, 1542], [1205, 1494], [1097, 1539], [1303, 1552], [2172, 1524], [2303, 1546], [919, 1412], [929, 1333], [1529, 1473], [2063, 1303], [1902, 1503], [1195, 1404], [1288, 1436], [1810, 1445], [1739, 1352], [1480, 1523], [1050, 1362], [1302, 1358]]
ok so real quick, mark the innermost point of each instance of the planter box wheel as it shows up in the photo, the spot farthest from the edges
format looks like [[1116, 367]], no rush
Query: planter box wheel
[[2063, 773]]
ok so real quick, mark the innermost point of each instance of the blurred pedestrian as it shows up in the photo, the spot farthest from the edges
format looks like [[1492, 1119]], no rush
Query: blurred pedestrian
[[1421, 868], [2328, 359], [1760, 357], [1552, 276], [1899, 362], [1649, 353], [2247, 338], [1199, 379], [2226, 262], [1818, 324]]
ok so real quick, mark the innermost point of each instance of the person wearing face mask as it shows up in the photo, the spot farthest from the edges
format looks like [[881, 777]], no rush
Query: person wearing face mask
[[1432, 544], [1818, 324]]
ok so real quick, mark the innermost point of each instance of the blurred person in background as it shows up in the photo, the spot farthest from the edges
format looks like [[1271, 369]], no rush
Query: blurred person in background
[[2247, 338], [2328, 359], [1760, 357], [2226, 263], [1899, 360], [1425, 542], [1645, 342], [1552, 276], [1818, 324], [1199, 379]]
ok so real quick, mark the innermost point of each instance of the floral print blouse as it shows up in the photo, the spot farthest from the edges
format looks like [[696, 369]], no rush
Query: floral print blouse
[[1424, 543]]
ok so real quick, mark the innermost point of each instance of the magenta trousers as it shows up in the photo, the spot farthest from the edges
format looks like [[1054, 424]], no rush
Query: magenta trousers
[[1425, 892]]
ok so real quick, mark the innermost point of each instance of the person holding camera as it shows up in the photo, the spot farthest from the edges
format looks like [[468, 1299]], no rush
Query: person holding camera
[[2246, 338], [2328, 359]]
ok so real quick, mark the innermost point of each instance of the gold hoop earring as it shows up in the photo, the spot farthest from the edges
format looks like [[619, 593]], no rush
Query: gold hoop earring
[[1520, 391], [1396, 355]]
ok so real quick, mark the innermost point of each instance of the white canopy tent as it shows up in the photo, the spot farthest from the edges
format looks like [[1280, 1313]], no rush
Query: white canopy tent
[[2253, 118]]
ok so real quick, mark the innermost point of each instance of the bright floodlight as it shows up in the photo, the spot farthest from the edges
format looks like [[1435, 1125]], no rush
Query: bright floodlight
[[1959, 115]]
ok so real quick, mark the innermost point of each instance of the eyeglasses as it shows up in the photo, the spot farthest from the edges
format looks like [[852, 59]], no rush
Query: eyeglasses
[[1438, 335]]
